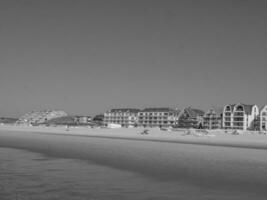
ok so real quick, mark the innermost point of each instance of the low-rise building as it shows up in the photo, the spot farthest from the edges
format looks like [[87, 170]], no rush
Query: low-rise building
[[158, 117], [240, 116], [213, 118], [82, 119], [126, 117], [190, 118]]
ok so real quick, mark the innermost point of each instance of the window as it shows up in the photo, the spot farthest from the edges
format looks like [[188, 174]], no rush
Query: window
[[239, 108], [227, 119], [227, 124], [228, 108]]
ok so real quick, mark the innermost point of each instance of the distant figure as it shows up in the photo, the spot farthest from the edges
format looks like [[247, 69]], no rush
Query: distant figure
[[67, 128], [145, 132]]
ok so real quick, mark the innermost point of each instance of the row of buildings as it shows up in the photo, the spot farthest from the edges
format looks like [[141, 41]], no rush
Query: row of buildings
[[155, 117], [235, 116]]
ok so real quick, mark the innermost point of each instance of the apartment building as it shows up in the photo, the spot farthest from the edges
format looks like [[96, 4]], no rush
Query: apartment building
[[213, 118], [240, 116], [158, 117], [263, 118], [126, 117]]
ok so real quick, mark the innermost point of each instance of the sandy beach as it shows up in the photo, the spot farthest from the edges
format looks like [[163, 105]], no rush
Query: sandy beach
[[246, 139], [230, 162]]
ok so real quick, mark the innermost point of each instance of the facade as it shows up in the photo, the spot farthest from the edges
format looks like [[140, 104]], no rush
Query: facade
[[240, 116], [39, 117], [82, 119], [126, 117], [190, 118], [263, 118], [158, 117], [213, 118]]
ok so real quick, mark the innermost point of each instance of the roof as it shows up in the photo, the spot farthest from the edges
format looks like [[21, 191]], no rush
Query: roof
[[216, 110], [130, 110], [247, 107], [80, 116], [262, 108], [162, 109], [194, 112]]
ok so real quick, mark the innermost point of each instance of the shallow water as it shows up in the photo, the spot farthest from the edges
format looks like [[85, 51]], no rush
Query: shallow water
[[28, 175]]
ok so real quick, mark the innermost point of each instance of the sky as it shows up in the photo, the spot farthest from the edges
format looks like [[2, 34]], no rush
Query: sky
[[85, 57]]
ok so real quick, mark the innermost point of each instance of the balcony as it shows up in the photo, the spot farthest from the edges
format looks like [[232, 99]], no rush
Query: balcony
[[227, 119], [238, 124]]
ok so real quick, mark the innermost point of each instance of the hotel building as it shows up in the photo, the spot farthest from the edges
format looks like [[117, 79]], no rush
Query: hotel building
[[213, 118], [158, 117], [126, 117], [263, 118], [240, 116]]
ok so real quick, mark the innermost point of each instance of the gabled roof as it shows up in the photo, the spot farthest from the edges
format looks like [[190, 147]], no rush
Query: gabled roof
[[247, 107], [130, 110], [194, 112], [162, 109], [262, 108], [231, 107]]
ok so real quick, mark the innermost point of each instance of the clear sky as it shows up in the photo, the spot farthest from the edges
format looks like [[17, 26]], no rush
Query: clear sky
[[85, 57]]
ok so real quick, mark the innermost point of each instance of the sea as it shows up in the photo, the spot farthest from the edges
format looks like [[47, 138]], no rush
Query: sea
[[26, 175]]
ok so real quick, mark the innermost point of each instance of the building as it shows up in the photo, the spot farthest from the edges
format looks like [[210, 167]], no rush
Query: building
[[212, 119], [158, 117], [190, 118], [82, 119], [39, 117], [126, 117], [263, 118], [240, 116], [98, 120]]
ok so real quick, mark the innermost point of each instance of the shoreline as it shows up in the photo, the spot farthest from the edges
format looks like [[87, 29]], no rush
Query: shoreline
[[202, 165], [250, 141]]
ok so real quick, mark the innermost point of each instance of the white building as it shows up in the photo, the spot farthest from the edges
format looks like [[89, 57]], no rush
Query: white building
[[240, 116], [126, 117], [82, 119], [263, 118], [158, 117]]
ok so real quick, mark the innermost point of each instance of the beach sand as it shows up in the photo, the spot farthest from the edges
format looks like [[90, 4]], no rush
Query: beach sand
[[228, 162]]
